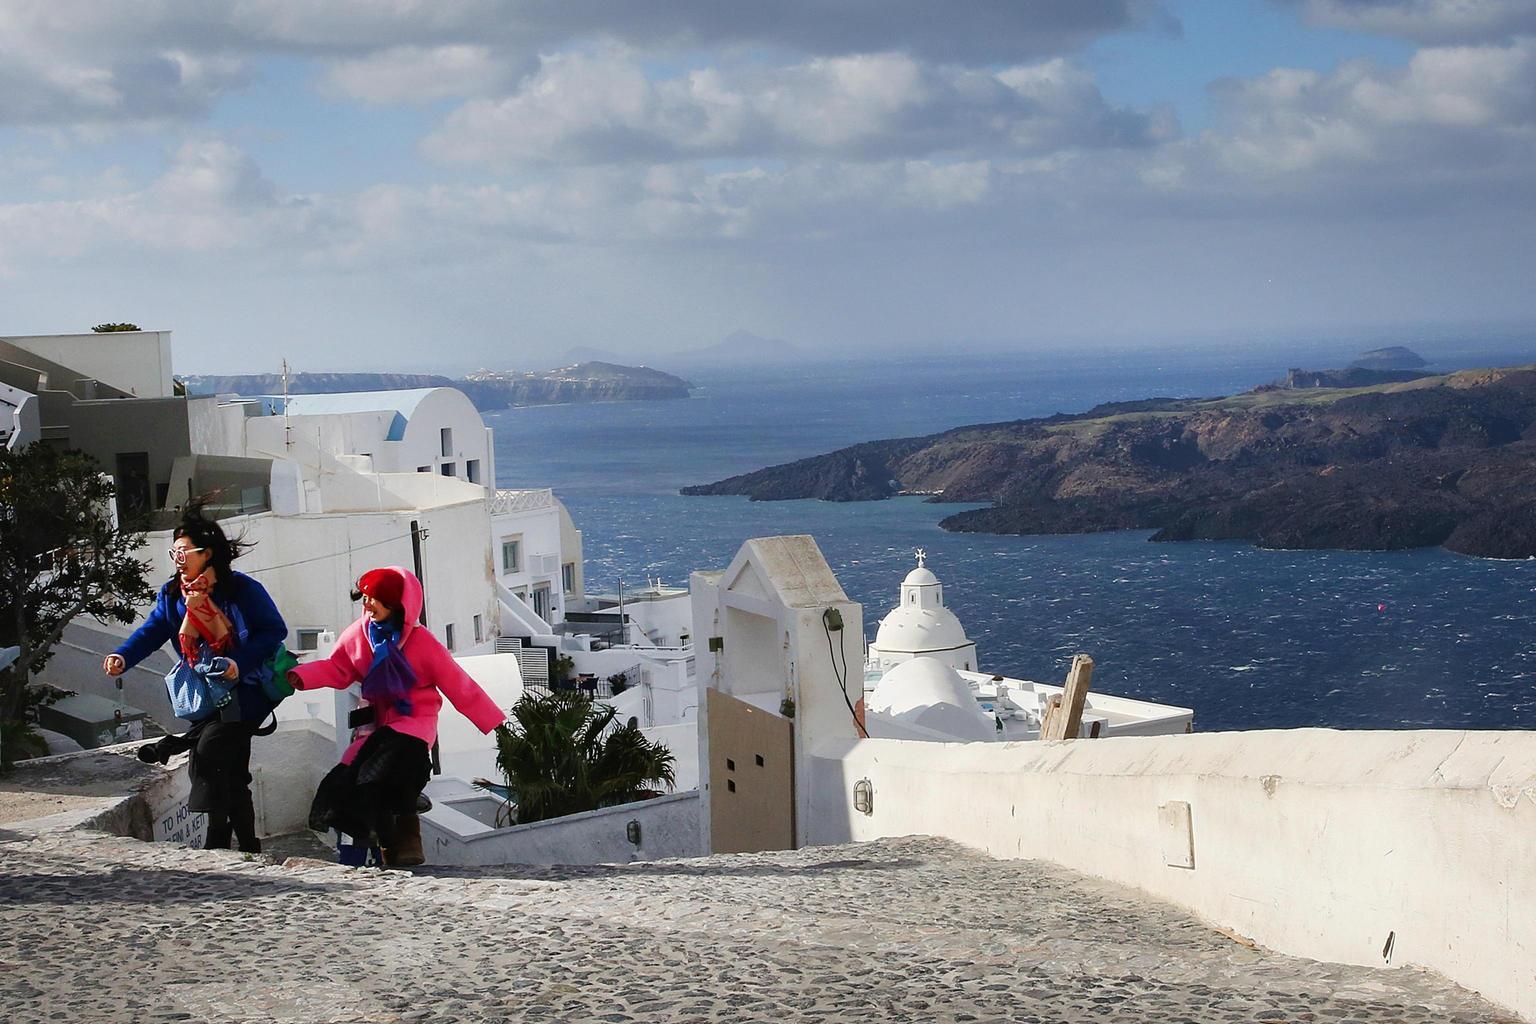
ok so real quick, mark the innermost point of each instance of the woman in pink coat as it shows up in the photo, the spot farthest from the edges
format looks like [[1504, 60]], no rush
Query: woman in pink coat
[[405, 674]]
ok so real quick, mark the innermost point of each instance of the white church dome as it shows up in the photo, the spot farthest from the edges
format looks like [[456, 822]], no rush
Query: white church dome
[[922, 576], [913, 630], [921, 624], [928, 693]]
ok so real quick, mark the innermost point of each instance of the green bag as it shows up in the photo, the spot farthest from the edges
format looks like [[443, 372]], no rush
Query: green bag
[[275, 685]]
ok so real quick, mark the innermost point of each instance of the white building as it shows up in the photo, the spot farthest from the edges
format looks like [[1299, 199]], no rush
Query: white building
[[537, 551], [921, 624], [921, 681], [309, 558], [20, 421], [138, 362], [530, 546], [425, 430]]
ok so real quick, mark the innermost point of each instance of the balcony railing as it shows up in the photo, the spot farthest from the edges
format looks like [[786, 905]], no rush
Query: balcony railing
[[522, 501]]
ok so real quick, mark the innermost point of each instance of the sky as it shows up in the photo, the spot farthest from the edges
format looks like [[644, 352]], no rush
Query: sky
[[439, 185]]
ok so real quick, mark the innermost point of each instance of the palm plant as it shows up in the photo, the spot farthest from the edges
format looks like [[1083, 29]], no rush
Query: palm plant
[[563, 754]]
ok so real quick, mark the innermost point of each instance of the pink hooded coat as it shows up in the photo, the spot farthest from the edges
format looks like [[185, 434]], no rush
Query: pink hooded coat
[[437, 675]]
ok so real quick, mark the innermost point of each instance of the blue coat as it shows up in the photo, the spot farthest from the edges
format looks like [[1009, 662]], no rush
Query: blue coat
[[254, 619]]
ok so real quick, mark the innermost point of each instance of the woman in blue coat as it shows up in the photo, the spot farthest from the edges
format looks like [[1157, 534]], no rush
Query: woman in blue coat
[[210, 610]]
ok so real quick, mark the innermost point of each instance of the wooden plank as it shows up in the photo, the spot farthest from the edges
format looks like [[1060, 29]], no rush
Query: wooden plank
[[1066, 721], [1051, 709]]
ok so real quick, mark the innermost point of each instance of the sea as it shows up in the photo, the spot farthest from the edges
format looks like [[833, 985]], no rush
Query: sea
[[1248, 638]]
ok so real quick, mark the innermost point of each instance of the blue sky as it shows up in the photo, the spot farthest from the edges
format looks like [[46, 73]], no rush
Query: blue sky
[[466, 183]]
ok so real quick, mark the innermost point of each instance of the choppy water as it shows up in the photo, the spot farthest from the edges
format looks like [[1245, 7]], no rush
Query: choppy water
[[1248, 638]]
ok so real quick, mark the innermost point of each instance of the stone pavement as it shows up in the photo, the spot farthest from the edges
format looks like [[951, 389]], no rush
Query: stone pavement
[[99, 928]]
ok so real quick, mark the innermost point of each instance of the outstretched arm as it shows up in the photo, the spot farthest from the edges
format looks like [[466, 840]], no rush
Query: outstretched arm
[[338, 671], [151, 635], [459, 686]]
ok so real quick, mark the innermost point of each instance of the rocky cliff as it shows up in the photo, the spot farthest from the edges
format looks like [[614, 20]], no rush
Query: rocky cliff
[[1444, 460]]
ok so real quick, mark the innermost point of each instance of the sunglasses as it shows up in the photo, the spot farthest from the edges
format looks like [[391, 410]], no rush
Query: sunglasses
[[179, 555]]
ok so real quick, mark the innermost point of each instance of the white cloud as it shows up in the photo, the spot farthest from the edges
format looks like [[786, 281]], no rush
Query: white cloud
[[601, 107], [74, 61], [212, 198], [40, 88], [1451, 110], [417, 74], [964, 30], [1427, 21]]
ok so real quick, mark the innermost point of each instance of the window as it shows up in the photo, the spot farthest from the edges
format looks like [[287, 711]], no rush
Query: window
[[541, 602], [448, 636], [449, 469], [423, 469], [568, 577], [512, 555], [308, 638], [472, 471], [479, 629], [447, 436], [132, 485]]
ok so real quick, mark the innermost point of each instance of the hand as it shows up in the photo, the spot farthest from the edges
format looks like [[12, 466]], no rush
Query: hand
[[295, 680], [114, 665], [233, 671]]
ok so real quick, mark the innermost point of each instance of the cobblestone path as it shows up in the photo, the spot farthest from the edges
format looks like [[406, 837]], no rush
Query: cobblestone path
[[98, 928]]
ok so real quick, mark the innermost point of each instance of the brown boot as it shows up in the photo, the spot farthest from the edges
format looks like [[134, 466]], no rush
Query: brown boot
[[405, 851]]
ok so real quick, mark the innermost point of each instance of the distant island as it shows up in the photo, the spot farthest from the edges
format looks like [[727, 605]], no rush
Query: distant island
[[1445, 459], [1393, 357], [488, 389], [736, 350]]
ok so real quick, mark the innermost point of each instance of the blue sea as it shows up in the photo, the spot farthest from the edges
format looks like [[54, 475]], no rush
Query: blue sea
[[1249, 638]]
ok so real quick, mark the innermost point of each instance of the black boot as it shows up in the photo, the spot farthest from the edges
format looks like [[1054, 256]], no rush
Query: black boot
[[165, 748], [218, 834], [242, 816]]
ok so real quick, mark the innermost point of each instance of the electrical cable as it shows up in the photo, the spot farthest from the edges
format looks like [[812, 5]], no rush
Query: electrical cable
[[842, 680], [337, 554]]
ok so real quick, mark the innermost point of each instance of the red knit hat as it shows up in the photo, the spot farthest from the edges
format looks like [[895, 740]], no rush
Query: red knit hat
[[384, 586]]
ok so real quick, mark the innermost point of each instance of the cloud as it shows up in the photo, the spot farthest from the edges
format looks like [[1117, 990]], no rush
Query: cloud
[[42, 89], [66, 62], [1464, 112], [417, 74], [212, 198], [588, 108], [1426, 21], [970, 31]]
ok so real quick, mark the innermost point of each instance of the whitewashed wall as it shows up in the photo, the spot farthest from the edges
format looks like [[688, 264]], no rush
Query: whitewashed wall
[[309, 564], [538, 528], [357, 433], [1312, 842], [669, 827], [139, 362], [285, 769]]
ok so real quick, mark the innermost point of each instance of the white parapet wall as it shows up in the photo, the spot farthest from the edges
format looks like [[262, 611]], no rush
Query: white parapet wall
[[1376, 848], [460, 829]]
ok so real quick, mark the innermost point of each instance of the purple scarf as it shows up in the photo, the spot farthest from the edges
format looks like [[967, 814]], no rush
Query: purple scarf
[[390, 678]]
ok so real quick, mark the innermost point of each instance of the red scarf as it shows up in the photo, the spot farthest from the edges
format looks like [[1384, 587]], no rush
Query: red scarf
[[204, 620]]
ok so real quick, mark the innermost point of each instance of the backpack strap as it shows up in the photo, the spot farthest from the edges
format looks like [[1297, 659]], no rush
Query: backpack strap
[[267, 730]]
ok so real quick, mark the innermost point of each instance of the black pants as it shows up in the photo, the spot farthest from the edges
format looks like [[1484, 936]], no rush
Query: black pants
[[383, 780], [220, 770]]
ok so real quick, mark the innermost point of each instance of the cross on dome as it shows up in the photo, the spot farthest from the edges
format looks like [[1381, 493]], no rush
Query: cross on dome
[[922, 558]]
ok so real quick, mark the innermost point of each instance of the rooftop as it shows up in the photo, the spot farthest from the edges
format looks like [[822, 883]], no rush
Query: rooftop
[[910, 929]]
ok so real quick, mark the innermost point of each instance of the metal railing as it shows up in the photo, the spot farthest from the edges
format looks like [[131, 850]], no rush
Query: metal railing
[[522, 501]]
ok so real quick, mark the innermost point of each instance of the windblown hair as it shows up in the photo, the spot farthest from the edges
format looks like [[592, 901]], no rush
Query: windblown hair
[[208, 534]]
